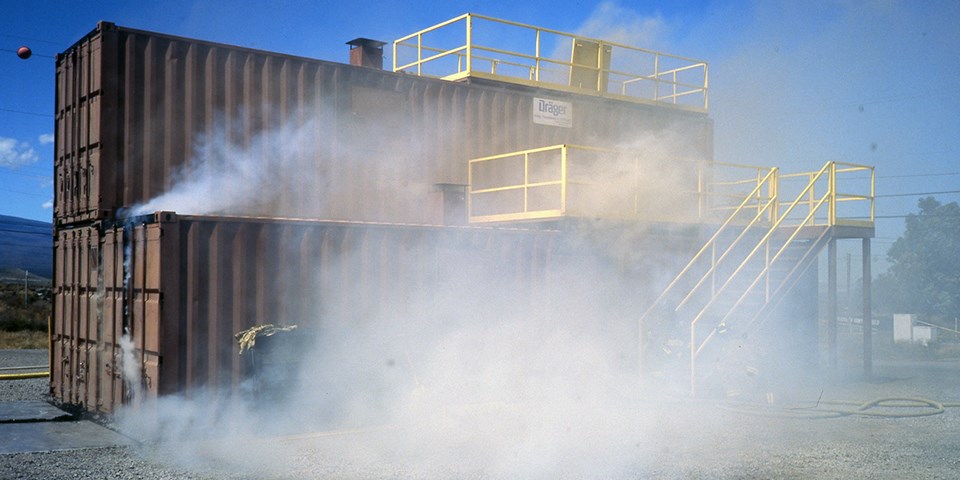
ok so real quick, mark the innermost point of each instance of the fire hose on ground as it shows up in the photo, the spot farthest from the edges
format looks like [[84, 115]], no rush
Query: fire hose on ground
[[887, 407]]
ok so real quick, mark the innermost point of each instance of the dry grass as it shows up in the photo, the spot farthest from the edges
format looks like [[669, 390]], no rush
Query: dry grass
[[23, 339]]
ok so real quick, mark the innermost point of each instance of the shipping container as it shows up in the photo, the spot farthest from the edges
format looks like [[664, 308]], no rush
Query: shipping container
[[137, 111], [178, 288]]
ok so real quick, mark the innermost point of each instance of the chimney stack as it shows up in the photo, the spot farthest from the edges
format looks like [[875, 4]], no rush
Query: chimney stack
[[365, 52]]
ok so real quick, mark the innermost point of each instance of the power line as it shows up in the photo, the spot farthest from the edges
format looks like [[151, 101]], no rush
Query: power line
[[950, 174], [32, 39], [32, 54], [915, 194], [23, 174], [25, 245], [26, 113], [29, 193], [914, 215], [817, 109], [32, 169]]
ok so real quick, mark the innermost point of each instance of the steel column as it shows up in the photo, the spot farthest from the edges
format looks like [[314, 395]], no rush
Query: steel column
[[867, 312], [832, 303]]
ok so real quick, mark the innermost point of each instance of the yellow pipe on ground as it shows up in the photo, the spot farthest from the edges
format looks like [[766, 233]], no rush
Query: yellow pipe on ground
[[23, 376]]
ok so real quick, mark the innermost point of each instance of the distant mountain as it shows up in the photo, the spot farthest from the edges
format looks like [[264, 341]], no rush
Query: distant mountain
[[26, 245]]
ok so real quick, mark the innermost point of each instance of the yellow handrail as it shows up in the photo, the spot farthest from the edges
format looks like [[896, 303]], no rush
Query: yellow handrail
[[781, 215], [524, 171], [634, 79], [711, 243], [766, 238]]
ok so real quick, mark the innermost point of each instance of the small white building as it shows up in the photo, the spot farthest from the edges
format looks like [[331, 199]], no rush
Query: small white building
[[906, 330]]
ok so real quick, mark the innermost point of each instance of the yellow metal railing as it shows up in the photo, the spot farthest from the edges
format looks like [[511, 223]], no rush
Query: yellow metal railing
[[478, 46], [580, 181], [574, 180], [723, 194], [814, 205], [500, 186], [845, 207]]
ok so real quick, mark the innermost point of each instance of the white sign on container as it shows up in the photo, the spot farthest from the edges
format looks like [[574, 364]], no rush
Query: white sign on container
[[552, 112]]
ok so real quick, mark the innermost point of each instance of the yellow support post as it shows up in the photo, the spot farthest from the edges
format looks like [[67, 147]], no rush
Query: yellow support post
[[536, 76], [469, 43], [832, 186], [873, 195], [706, 77], [419, 54], [774, 192], [656, 77]]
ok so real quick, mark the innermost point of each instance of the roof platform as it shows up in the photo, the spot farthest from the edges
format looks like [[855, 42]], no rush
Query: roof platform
[[474, 46]]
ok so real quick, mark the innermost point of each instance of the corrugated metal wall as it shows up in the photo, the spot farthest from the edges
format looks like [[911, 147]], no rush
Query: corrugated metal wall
[[181, 287], [131, 106]]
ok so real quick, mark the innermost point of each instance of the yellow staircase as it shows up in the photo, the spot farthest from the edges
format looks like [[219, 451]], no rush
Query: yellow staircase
[[769, 227], [758, 253]]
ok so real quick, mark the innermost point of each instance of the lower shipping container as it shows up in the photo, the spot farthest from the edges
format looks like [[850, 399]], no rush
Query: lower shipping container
[[159, 300]]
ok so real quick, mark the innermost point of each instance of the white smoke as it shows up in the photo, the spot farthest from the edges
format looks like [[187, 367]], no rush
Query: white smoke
[[223, 176], [473, 375], [516, 384], [612, 22], [130, 369]]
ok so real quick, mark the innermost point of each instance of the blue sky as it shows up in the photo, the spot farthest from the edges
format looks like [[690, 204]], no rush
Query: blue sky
[[793, 83]]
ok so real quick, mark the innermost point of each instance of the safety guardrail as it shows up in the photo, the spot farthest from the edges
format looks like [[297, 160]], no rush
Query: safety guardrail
[[478, 46], [849, 190], [813, 204], [580, 181], [575, 180]]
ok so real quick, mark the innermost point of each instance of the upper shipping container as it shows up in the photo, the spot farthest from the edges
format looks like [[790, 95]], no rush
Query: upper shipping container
[[229, 130]]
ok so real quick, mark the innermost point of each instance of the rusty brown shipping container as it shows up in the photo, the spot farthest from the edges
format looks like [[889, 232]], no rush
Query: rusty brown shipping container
[[133, 108], [180, 287]]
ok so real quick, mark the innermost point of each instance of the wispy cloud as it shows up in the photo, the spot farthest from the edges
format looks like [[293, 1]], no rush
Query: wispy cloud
[[15, 154], [45, 139], [47, 205]]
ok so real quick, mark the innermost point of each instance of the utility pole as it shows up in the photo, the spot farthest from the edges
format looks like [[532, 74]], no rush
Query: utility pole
[[25, 273]]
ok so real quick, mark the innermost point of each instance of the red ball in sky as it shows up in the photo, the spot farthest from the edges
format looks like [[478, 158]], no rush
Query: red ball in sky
[[24, 52]]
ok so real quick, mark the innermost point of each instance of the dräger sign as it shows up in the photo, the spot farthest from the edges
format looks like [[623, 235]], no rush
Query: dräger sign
[[552, 112]]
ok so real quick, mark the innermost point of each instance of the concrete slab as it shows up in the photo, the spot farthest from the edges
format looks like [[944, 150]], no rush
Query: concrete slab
[[30, 411], [37, 426], [52, 436]]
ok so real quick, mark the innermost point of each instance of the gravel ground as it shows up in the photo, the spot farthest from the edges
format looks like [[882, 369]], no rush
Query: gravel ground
[[680, 439], [19, 390]]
